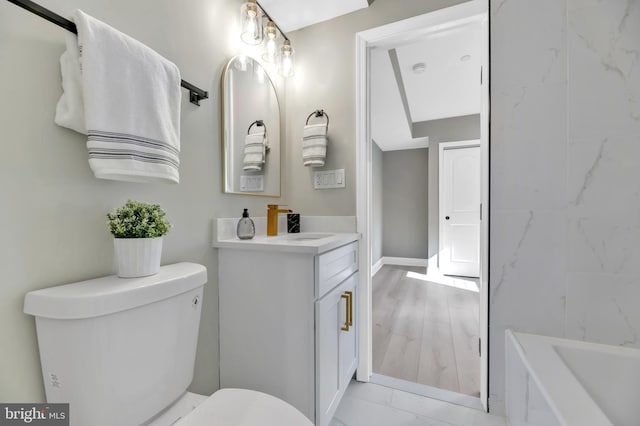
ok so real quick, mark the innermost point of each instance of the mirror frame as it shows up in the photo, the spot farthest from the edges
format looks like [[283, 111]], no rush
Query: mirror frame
[[223, 128]]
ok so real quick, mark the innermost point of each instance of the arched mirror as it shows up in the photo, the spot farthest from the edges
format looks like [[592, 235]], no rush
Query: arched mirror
[[250, 130]]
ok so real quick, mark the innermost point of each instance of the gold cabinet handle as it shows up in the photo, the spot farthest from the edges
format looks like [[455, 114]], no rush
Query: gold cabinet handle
[[350, 294], [347, 310]]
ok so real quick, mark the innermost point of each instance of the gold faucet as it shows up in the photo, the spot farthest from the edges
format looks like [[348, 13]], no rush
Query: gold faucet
[[272, 218]]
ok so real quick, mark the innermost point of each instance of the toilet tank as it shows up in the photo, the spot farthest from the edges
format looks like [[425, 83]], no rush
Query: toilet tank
[[119, 350]]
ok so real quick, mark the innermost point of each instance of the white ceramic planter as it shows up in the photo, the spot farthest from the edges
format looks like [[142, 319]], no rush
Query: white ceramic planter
[[137, 257]]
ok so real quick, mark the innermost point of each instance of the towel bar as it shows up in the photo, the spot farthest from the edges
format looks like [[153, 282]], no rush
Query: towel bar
[[195, 93]]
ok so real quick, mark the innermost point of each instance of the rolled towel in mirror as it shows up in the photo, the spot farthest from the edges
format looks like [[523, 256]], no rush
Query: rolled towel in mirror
[[254, 150]]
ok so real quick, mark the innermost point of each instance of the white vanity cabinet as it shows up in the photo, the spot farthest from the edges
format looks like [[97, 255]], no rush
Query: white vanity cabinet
[[288, 322]]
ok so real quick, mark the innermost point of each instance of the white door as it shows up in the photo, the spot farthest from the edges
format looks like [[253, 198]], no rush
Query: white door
[[460, 187], [484, 227]]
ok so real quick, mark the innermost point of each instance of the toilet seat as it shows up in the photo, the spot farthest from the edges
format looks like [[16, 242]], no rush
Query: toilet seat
[[243, 407]]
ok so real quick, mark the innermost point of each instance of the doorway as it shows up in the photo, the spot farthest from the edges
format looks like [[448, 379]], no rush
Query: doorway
[[435, 24]]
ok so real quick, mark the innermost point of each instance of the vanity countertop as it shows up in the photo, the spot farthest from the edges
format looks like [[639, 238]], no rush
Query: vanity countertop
[[303, 242]]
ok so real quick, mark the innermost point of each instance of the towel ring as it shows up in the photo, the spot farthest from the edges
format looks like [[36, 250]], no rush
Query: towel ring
[[319, 113], [258, 123]]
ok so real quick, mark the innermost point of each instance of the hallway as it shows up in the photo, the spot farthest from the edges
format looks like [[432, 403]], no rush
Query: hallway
[[426, 331]]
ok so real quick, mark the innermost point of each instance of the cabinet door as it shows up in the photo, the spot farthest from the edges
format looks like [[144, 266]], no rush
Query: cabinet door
[[331, 318], [348, 343]]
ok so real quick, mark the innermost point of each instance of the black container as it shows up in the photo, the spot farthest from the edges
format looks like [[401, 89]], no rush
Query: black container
[[293, 223]]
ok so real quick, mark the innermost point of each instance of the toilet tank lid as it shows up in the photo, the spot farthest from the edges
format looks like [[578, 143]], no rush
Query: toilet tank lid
[[107, 295]]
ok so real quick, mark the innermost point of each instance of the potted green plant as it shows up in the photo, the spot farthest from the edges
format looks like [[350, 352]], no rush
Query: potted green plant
[[137, 230]]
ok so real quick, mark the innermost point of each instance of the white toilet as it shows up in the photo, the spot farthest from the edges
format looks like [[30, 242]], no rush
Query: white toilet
[[122, 351]]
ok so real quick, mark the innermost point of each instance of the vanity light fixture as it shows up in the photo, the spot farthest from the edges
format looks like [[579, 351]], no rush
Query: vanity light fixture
[[252, 15], [251, 23]]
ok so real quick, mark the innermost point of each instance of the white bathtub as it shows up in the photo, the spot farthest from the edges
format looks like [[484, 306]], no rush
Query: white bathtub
[[560, 382]]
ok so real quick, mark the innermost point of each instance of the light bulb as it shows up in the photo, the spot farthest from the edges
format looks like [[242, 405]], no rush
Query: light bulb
[[270, 49], [286, 64], [286, 67], [251, 27], [259, 73]]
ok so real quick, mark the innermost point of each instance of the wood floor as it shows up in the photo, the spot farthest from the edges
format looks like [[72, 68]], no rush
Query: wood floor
[[426, 332]]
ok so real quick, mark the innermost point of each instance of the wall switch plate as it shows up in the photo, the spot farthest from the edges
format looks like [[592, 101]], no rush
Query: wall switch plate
[[251, 183], [329, 179]]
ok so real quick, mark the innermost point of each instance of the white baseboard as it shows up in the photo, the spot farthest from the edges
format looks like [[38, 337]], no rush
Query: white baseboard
[[376, 266], [404, 261], [399, 261], [428, 391], [432, 267]]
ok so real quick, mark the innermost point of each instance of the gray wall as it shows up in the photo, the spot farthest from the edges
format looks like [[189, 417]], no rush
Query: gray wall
[[325, 69], [53, 209], [445, 130], [405, 205], [452, 128], [376, 195]]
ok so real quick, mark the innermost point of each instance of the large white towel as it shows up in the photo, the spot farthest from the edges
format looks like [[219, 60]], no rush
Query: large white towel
[[254, 150], [126, 98], [314, 145]]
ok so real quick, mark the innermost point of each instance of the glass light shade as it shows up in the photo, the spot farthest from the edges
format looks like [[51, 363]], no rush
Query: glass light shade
[[286, 61], [251, 23], [270, 46], [241, 63], [259, 74]]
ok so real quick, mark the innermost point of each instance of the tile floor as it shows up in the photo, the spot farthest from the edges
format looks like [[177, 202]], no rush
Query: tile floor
[[368, 404]]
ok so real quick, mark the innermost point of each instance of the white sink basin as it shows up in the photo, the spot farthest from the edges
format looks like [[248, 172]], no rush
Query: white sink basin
[[304, 236]]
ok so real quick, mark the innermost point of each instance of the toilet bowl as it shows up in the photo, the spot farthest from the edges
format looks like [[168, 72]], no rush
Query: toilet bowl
[[122, 352], [239, 407], [230, 407]]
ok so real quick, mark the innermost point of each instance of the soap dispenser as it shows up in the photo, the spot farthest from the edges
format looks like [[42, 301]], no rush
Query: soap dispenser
[[246, 229]]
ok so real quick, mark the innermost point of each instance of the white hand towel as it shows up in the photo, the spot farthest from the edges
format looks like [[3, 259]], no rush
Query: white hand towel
[[314, 145], [70, 108], [254, 151], [126, 98]]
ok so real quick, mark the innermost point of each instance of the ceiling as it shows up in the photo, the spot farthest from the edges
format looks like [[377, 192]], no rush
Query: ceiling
[[449, 86], [389, 123], [291, 15]]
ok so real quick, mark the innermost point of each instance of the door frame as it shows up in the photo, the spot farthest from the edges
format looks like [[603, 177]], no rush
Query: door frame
[[476, 10], [442, 147]]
